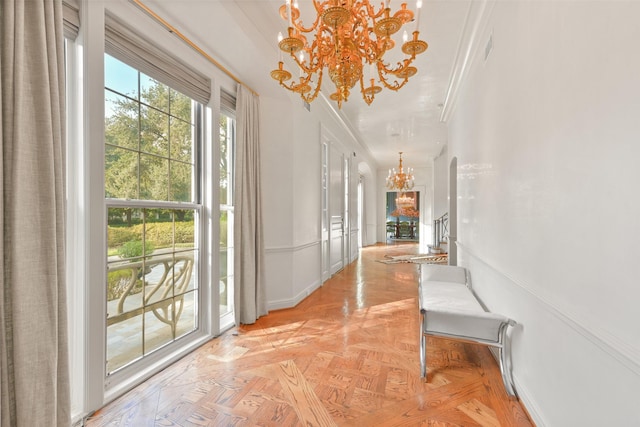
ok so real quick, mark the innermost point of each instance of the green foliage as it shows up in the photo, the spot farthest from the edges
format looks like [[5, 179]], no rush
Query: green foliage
[[117, 236], [133, 249], [158, 235], [226, 150], [223, 231], [148, 152]]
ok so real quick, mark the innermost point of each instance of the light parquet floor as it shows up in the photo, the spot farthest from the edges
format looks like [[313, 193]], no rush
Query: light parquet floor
[[345, 356]]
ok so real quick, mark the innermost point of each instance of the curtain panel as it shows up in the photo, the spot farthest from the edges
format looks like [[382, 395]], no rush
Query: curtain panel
[[249, 284], [34, 380]]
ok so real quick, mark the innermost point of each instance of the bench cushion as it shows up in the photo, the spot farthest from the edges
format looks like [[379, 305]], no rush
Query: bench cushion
[[443, 273], [452, 309]]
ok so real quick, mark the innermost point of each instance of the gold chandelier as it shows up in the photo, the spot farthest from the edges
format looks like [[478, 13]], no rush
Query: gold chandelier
[[399, 180], [347, 35]]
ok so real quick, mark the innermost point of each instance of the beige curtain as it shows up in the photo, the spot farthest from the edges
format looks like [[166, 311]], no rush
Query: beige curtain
[[249, 282], [33, 338]]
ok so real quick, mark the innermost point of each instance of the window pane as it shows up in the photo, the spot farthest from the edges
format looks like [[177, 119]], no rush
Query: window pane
[[154, 174], [154, 93], [180, 182], [225, 181], [158, 326], [124, 342], [120, 77], [154, 131], [185, 236], [181, 137], [124, 232], [159, 230], [121, 173], [226, 260], [183, 278], [181, 106], [187, 321], [224, 218], [121, 120]]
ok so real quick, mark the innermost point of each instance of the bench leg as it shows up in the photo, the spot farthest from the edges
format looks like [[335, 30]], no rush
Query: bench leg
[[505, 363], [423, 349]]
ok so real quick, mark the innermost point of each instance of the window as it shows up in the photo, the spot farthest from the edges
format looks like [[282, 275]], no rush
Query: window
[[152, 194], [227, 157]]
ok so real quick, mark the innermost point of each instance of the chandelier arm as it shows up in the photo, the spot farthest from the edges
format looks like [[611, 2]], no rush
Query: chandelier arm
[[307, 70], [395, 86], [371, 12], [291, 86], [301, 28], [309, 98], [367, 98], [402, 66]]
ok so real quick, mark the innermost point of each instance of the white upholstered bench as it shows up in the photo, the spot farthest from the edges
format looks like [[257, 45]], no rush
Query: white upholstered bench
[[449, 309]]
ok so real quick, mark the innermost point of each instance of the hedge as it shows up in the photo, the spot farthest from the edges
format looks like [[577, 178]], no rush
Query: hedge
[[159, 234]]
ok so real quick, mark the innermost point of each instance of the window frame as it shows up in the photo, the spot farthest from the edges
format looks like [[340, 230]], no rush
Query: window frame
[[227, 319], [138, 370]]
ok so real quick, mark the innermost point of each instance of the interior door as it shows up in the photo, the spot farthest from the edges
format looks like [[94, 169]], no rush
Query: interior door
[[336, 210]]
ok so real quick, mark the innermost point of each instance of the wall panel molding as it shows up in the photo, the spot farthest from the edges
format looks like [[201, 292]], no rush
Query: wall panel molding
[[276, 249], [625, 354]]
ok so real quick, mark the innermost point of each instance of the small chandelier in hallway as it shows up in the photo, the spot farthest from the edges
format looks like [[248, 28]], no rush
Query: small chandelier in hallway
[[404, 201], [399, 180], [347, 35]]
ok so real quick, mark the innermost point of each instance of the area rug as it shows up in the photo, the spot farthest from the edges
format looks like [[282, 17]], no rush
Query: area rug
[[415, 258]]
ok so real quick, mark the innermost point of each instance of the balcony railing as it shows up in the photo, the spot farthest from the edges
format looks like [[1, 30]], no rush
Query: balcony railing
[[440, 233]]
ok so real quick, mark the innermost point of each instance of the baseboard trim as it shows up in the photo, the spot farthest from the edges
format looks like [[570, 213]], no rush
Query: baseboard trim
[[297, 299]]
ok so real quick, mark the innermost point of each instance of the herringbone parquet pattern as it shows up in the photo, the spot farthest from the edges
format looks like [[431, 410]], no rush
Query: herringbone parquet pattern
[[345, 356]]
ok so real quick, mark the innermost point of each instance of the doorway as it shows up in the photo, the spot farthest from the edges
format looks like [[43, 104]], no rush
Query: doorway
[[335, 201], [402, 216]]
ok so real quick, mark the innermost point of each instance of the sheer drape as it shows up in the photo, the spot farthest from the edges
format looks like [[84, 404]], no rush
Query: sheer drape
[[249, 279], [33, 338]]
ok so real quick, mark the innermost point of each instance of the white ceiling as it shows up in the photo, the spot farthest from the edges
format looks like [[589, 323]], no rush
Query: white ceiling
[[242, 35]]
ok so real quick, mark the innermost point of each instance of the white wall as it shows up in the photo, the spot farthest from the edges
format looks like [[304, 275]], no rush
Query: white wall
[[440, 187], [292, 184], [546, 136]]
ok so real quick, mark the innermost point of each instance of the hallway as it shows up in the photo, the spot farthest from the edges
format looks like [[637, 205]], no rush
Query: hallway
[[347, 355]]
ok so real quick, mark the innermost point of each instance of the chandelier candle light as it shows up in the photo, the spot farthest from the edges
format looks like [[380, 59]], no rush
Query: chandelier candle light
[[346, 36]]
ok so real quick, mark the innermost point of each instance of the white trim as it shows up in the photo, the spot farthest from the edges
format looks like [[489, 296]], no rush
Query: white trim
[[132, 376], [283, 249], [292, 302], [150, 204], [91, 38], [346, 123], [628, 356], [474, 26], [75, 236]]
